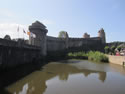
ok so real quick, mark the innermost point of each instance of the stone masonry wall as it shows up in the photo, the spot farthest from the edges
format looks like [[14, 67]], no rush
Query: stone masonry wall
[[85, 44], [16, 53], [55, 44], [73, 44]]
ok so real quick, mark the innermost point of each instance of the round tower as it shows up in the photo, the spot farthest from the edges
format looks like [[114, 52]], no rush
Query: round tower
[[86, 35], [67, 39], [101, 34], [40, 32]]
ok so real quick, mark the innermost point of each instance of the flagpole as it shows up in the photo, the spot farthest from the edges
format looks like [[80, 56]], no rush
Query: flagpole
[[24, 37], [18, 31], [23, 34], [18, 34]]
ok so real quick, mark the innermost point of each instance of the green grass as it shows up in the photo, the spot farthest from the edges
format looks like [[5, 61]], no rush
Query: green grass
[[91, 55], [78, 55]]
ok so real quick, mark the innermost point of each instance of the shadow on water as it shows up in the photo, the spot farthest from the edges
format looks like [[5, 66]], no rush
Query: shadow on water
[[3, 91], [10, 76]]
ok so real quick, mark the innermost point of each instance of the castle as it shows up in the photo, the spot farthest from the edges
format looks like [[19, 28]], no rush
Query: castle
[[54, 44], [13, 53]]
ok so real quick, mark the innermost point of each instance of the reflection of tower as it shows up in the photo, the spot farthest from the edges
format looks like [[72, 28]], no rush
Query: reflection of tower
[[101, 34], [64, 76], [86, 73], [102, 76]]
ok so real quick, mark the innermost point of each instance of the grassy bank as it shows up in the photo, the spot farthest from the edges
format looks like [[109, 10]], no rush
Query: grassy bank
[[91, 55]]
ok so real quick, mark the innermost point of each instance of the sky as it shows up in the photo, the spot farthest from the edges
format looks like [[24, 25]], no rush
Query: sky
[[74, 16]]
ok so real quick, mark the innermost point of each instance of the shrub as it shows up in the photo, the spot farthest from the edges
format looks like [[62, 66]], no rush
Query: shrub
[[107, 49], [119, 48], [91, 55], [97, 56], [112, 49], [81, 55]]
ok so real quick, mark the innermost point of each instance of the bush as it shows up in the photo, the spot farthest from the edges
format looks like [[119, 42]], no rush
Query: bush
[[80, 55], [119, 48], [92, 55], [107, 49], [97, 56]]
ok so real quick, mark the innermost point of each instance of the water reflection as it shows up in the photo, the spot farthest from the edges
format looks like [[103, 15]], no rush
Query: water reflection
[[36, 83]]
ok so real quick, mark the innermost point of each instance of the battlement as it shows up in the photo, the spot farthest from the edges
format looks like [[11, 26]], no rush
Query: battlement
[[50, 38]]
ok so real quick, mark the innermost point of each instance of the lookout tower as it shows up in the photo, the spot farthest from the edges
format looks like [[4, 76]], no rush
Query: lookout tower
[[101, 34], [40, 32], [86, 35]]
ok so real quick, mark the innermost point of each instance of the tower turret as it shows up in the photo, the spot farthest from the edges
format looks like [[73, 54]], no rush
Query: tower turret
[[86, 35], [101, 34], [40, 32]]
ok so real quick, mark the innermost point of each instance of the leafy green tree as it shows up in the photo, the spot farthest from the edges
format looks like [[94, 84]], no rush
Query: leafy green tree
[[112, 49], [119, 48], [62, 34], [107, 49], [7, 37]]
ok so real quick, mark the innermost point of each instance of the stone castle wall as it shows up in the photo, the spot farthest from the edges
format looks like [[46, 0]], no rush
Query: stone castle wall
[[78, 42], [15, 53], [85, 44], [81, 44], [51, 44], [55, 44]]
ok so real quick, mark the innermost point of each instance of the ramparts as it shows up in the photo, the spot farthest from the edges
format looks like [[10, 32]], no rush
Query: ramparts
[[55, 44], [15, 53], [73, 44]]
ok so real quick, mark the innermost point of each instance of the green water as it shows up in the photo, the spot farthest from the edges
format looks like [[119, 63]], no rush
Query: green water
[[72, 77]]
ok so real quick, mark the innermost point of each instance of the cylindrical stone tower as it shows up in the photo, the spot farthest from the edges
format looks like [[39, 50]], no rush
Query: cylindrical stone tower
[[40, 32], [101, 34]]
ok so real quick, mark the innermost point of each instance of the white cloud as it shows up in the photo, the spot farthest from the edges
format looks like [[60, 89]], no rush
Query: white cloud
[[6, 13], [11, 29]]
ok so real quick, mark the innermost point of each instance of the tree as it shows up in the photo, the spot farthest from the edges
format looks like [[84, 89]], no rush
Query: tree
[[119, 48], [62, 34], [107, 49], [113, 49], [7, 37]]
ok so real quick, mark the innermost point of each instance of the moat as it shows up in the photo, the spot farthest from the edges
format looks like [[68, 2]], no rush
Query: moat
[[72, 77]]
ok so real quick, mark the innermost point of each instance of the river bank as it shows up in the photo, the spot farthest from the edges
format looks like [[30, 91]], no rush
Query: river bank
[[116, 59]]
